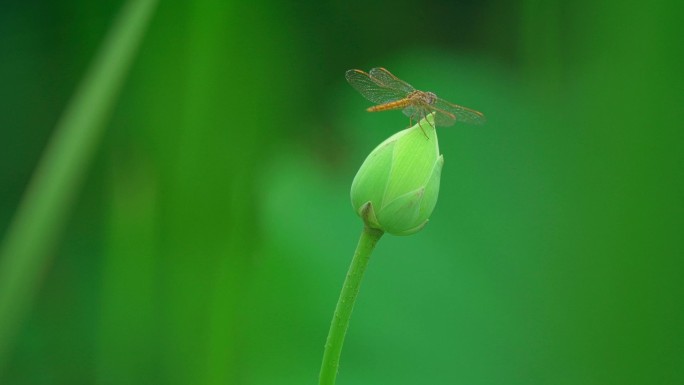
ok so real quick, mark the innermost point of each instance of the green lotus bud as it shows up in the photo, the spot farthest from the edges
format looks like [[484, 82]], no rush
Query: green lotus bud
[[396, 188]]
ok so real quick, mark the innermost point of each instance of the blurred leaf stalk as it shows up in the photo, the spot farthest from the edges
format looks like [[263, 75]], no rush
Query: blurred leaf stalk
[[24, 253]]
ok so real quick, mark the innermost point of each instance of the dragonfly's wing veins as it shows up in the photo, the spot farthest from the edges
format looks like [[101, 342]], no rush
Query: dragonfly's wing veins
[[444, 119], [448, 114], [385, 77], [413, 112], [371, 89]]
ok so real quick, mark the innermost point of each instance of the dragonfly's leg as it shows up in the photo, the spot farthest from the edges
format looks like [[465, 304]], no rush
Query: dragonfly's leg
[[422, 115], [432, 125]]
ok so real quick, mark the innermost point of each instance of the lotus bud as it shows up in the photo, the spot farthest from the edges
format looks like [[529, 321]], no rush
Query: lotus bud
[[396, 188]]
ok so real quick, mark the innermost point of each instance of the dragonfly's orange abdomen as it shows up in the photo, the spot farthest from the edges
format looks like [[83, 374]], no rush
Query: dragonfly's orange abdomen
[[395, 105]]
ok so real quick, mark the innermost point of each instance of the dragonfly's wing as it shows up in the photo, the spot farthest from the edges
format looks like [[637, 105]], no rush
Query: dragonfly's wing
[[448, 114], [372, 89], [444, 119], [383, 76], [414, 112]]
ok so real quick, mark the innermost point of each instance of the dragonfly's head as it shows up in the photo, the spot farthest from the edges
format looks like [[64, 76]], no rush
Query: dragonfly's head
[[430, 97]]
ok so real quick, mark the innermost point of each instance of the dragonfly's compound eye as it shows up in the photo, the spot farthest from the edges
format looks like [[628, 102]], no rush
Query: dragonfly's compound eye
[[430, 97]]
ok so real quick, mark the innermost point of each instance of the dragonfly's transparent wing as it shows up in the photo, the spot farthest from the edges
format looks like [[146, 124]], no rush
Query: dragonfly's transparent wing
[[444, 119], [371, 89], [413, 111], [448, 114], [383, 76], [416, 112]]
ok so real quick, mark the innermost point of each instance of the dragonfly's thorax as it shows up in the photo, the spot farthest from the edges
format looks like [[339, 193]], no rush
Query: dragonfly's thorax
[[422, 96]]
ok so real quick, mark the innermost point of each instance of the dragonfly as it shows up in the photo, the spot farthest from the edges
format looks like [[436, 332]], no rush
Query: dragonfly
[[389, 92]]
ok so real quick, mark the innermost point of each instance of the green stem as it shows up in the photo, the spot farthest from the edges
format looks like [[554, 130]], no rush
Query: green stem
[[345, 305], [27, 247]]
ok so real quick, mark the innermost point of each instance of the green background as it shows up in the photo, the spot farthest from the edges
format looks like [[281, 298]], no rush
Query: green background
[[212, 232]]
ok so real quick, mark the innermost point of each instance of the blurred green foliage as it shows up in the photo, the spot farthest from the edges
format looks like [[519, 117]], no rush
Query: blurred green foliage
[[211, 237]]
